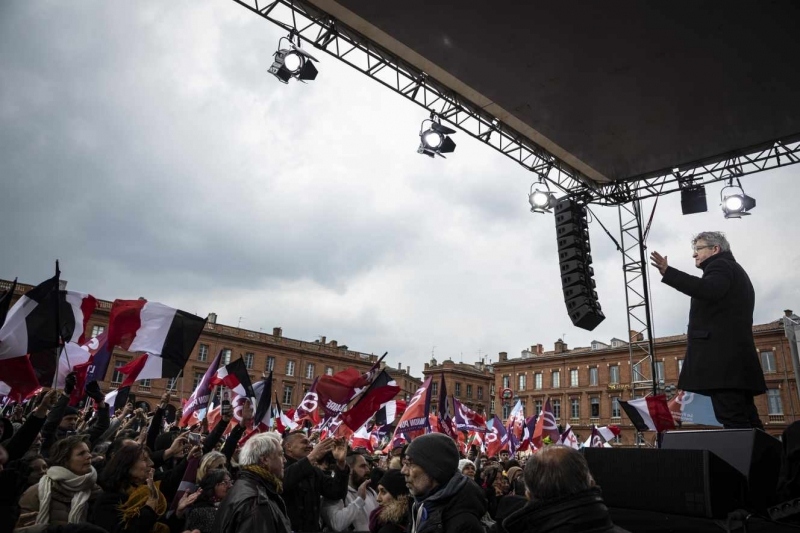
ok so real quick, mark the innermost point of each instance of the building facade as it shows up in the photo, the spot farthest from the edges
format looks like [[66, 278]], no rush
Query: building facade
[[473, 385], [585, 384], [408, 384]]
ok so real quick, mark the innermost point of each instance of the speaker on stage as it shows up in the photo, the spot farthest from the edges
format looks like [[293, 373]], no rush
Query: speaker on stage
[[752, 452], [575, 259], [681, 482]]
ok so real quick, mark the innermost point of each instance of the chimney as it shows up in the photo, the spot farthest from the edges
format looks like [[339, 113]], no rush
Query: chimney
[[212, 318], [408, 370], [334, 344], [539, 349], [503, 356], [560, 346], [633, 336], [427, 366], [787, 312], [277, 332], [399, 365]]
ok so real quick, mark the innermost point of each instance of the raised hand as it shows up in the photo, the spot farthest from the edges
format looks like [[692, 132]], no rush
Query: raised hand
[[321, 448], [659, 261], [152, 492]]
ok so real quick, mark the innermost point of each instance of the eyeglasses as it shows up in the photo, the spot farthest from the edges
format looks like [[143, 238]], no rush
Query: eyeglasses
[[696, 248]]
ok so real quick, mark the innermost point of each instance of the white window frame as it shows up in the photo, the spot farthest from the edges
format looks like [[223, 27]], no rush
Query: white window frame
[[290, 367]]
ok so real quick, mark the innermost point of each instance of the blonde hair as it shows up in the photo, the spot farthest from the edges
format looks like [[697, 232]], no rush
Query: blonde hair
[[205, 464]]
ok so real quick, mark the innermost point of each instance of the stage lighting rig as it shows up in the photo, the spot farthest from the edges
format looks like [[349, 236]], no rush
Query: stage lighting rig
[[693, 195], [735, 204], [435, 140], [541, 199], [293, 62]]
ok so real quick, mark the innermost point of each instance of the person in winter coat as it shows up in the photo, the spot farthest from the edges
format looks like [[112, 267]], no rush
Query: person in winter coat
[[563, 496], [444, 499], [213, 488], [254, 504], [394, 503], [721, 359]]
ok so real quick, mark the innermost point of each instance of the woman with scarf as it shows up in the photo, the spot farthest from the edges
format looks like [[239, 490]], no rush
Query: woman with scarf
[[394, 503], [212, 488], [62, 494], [130, 501]]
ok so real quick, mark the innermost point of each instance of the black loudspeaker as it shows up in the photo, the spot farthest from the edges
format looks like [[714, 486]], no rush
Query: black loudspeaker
[[681, 482], [752, 452], [575, 259]]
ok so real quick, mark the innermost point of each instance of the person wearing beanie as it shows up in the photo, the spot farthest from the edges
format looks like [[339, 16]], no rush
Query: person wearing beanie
[[444, 498], [394, 504], [467, 467]]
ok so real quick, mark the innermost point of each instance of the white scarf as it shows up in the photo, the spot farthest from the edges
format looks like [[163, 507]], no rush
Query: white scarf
[[79, 486]]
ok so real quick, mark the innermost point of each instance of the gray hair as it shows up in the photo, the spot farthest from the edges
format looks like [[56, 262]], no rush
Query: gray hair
[[259, 446], [713, 238], [555, 472]]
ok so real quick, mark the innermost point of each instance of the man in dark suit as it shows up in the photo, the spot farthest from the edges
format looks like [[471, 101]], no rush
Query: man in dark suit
[[721, 359]]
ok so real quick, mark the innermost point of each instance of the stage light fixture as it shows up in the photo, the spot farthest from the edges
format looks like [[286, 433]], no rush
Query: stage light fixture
[[693, 195], [735, 204], [540, 198], [435, 140], [293, 62]]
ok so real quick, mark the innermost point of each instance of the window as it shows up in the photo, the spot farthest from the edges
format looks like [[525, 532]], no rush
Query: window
[[469, 390], [226, 356], [97, 330], [328, 370], [576, 408], [491, 390], [435, 388], [638, 372], [521, 384], [480, 392], [537, 406], [171, 384], [270, 363], [595, 405], [144, 384], [309, 371], [593, 376], [680, 366], [660, 371], [556, 404], [492, 406], [116, 377], [248, 359], [768, 361], [537, 380], [287, 395], [198, 376], [458, 388], [556, 379], [774, 402], [202, 352], [506, 382], [290, 368], [613, 374], [506, 411], [615, 409], [617, 439], [573, 377]]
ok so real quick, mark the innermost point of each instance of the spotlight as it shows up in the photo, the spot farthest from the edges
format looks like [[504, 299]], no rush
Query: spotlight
[[436, 139], [541, 199], [293, 62], [736, 204]]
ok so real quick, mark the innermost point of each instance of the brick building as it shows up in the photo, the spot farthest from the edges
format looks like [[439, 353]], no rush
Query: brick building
[[472, 385], [584, 384], [408, 384], [295, 363]]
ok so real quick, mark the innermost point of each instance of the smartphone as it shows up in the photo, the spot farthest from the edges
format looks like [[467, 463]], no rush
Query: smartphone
[[193, 438]]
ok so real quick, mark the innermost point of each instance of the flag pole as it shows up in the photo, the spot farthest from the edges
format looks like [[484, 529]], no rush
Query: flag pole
[[60, 348]]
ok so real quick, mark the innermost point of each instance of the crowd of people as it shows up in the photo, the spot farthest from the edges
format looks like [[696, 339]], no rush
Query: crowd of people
[[69, 471]]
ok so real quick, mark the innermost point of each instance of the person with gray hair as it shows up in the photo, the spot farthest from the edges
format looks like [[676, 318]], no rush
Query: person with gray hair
[[254, 504], [721, 359], [562, 496]]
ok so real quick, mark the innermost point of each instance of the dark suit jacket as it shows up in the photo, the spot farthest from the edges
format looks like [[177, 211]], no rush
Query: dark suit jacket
[[720, 352]]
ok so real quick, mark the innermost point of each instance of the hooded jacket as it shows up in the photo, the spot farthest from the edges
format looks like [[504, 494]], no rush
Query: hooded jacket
[[456, 507]]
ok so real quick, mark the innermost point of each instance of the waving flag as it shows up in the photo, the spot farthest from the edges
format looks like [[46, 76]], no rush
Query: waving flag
[[545, 426], [568, 438], [362, 439], [416, 415], [5, 301], [649, 414], [381, 390], [199, 398], [527, 434], [692, 408], [496, 437], [263, 391], [466, 419], [234, 376], [309, 406]]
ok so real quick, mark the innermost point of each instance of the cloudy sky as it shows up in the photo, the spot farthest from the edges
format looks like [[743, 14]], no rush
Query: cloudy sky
[[150, 151]]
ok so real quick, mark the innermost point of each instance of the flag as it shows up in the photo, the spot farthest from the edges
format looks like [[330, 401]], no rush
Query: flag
[[142, 326], [118, 398], [416, 415], [595, 440], [336, 391], [466, 419], [527, 434], [444, 423], [76, 357], [649, 414], [515, 423], [199, 398], [100, 359], [568, 438], [692, 408], [608, 432], [234, 376], [263, 391], [496, 437], [545, 426], [19, 378], [382, 389], [42, 318], [389, 412], [309, 406], [188, 484], [362, 439], [282, 421], [5, 301]]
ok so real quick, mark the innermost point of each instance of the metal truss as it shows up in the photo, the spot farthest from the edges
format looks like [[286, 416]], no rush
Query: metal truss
[[332, 36]]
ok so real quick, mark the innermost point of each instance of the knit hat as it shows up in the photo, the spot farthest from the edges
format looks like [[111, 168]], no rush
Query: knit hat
[[436, 454], [394, 482], [71, 411], [464, 462]]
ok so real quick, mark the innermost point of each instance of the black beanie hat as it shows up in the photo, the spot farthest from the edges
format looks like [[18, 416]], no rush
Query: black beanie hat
[[436, 454], [394, 482], [70, 411]]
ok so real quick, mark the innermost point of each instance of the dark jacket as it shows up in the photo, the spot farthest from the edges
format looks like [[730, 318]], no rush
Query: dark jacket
[[252, 506], [303, 484], [720, 352], [456, 507], [105, 513], [392, 517], [584, 512]]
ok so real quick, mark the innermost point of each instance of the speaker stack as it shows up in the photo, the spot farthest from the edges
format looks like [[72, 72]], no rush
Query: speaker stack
[[575, 260]]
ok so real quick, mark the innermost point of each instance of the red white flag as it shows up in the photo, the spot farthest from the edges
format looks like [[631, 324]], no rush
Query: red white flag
[[545, 426], [649, 414]]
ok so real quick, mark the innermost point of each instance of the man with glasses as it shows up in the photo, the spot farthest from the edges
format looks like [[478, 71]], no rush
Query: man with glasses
[[721, 359]]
